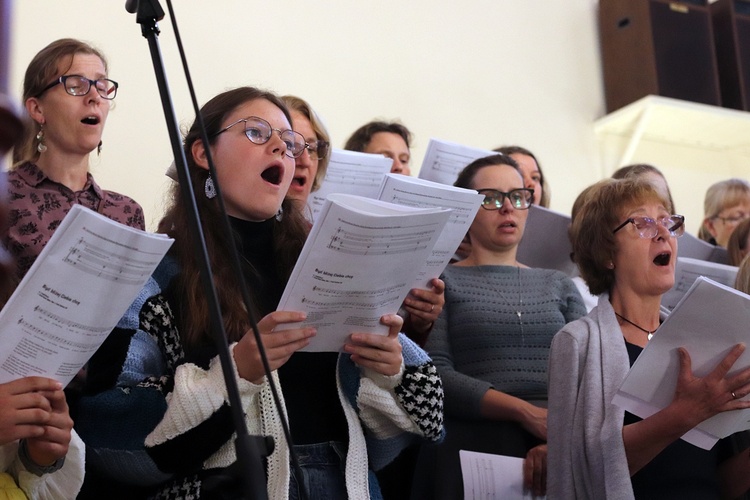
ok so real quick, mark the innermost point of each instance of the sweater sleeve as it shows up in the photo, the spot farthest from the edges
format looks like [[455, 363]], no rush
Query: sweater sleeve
[[463, 392], [564, 373], [197, 425], [575, 305], [63, 483], [409, 402]]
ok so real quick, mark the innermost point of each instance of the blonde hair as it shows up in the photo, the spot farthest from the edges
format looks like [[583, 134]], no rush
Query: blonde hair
[[720, 196]]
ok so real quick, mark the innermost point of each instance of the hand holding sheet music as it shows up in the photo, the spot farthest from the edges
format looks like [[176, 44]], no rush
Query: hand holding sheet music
[[74, 295], [358, 263], [709, 321]]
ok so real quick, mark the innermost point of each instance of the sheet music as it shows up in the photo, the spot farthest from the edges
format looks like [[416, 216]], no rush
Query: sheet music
[[444, 160], [358, 263], [545, 241], [350, 172], [74, 295], [413, 192], [492, 477], [695, 248], [708, 322], [687, 270]]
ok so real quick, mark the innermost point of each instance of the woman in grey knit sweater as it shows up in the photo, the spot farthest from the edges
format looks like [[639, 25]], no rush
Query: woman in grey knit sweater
[[491, 342]]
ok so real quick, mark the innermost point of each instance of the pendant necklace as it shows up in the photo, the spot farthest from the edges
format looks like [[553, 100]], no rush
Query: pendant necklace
[[649, 333], [517, 311]]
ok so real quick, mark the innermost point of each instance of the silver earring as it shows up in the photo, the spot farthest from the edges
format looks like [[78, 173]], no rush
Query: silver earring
[[209, 188], [41, 147], [99, 148], [280, 214]]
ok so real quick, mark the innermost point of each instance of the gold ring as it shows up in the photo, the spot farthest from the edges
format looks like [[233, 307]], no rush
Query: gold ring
[[734, 396]]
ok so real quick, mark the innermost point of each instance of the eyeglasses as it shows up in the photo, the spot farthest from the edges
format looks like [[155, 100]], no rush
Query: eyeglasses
[[520, 199], [732, 220], [80, 85], [259, 131], [317, 149], [648, 228]]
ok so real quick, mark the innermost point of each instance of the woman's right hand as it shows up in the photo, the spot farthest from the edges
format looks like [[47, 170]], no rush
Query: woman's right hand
[[279, 346]]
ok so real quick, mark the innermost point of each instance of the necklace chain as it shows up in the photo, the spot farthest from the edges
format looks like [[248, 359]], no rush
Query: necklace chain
[[650, 333], [510, 304]]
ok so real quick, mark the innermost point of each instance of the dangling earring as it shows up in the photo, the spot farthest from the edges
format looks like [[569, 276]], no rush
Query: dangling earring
[[280, 214], [41, 147], [99, 149], [209, 188]]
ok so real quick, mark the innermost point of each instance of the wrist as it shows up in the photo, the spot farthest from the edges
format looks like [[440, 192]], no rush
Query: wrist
[[32, 466]]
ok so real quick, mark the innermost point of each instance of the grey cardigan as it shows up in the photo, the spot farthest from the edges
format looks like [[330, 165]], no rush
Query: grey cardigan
[[588, 362]]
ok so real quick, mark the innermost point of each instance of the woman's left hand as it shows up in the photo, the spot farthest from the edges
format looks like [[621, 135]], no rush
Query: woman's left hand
[[535, 470], [424, 306], [381, 353]]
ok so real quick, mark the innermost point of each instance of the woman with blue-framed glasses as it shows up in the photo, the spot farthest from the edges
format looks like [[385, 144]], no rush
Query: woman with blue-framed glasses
[[67, 94]]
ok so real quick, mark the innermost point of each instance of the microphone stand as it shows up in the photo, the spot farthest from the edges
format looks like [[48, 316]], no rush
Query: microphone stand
[[250, 450]]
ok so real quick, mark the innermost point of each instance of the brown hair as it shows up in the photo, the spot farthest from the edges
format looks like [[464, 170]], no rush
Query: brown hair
[[302, 106], [737, 244], [742, 282], [49, 63], [637, 170], [465, 178], [363, 135], [289, 234], [510, 150], [591, 228]]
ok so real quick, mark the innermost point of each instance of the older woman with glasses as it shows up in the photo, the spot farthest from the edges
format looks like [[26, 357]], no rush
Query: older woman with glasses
[[491, 342], [625, 244], [67, 95], [310, 166], [727, 203]]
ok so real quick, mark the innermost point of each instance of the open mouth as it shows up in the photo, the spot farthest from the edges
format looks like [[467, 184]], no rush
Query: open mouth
[[299, 181], [90, 120], [272, 175], [662, 259]]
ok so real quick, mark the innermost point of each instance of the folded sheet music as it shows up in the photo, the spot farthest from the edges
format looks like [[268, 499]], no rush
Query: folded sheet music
[[687, 270], [709, 320], [350, 172], [359, 262], [74, 295], [492, 476], [414, 192], [545, 241], [444, 160]]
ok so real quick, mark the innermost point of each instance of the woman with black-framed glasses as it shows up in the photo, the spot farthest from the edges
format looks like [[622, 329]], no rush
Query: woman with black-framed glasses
[[624, 241], [491, 342], [67, 95]]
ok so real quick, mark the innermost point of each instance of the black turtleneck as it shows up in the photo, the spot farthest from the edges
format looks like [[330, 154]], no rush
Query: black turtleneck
[[308, 379]]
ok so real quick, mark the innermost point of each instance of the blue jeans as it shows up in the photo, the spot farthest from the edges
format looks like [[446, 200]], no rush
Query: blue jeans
[[323, 473]]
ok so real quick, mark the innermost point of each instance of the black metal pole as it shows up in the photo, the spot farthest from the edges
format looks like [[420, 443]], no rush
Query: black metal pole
[[250, 450]]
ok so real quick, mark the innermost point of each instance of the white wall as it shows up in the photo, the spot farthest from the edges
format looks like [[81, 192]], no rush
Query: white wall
[[481, 73]]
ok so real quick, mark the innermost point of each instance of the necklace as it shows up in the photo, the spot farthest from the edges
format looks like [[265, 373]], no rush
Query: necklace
[[517, 311], [650, 333]]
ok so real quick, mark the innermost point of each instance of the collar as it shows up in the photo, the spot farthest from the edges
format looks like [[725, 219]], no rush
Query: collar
[[32, 175]]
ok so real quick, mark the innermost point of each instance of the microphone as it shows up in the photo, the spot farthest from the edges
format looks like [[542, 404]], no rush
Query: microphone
[[131, 6]]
